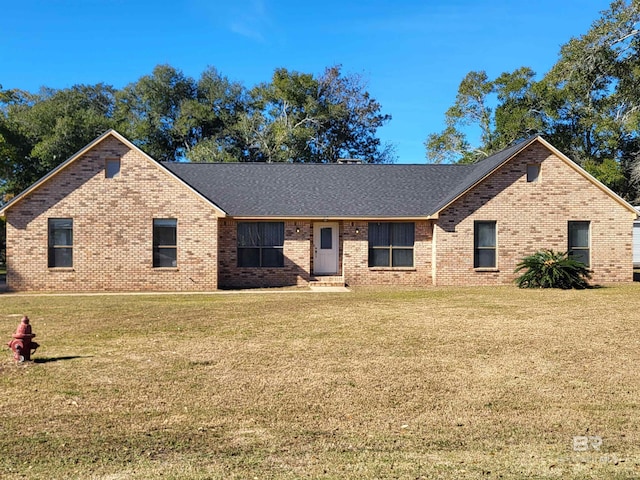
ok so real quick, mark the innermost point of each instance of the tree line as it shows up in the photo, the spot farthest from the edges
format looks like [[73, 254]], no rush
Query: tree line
[[296, 117], [587, 105]]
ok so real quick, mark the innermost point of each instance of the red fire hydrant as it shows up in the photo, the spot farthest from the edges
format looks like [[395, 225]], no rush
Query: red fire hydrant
[[22, 344]]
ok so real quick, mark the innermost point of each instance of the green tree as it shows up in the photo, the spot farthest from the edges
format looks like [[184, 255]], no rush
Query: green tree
[[597, 90], [587, 105], [352, 118], [470, 109], [520, 112], [209, 121], [300, 118], [296, 117], [39, 131], [283, 117], [147, 112]]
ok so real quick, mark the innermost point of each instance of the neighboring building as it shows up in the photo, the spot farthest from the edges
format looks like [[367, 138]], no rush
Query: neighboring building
[[636, 241], [112, 218]]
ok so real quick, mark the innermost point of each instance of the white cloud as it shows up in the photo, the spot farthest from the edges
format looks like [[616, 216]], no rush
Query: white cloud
[[246, 31], [251, 19]]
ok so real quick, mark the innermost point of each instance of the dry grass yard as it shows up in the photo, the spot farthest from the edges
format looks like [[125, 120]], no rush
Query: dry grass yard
[[409, 384]]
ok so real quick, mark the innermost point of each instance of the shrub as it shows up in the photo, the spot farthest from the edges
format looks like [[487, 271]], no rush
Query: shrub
[[549, 269]]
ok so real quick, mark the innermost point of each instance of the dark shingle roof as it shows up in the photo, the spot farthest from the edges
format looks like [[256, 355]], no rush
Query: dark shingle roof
[[321, 190]]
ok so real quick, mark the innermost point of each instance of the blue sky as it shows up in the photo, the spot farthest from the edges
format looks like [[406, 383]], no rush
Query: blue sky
[[411, 53]]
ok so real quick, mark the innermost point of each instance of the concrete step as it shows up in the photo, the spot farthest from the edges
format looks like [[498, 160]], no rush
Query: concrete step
[[327, 281]]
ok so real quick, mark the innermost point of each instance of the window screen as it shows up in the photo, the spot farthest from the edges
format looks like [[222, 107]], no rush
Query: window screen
[[60, 242], [579, 242], [260, 244], [165, 242], [484, 239], [391, 244]]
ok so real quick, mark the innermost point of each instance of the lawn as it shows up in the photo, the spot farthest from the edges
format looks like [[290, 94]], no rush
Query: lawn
[[395, 383]]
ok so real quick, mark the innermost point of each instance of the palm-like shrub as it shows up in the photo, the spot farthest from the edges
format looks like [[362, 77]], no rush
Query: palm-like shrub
[[549, 269]]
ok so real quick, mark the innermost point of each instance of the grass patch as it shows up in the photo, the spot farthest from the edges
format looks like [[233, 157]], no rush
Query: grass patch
[[393, 383]]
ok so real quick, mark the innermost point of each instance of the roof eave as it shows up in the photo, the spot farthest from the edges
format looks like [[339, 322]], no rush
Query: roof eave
[[54, 172], [558, 154], [15, 200], [590, 177], [524, 145], [327, 218]]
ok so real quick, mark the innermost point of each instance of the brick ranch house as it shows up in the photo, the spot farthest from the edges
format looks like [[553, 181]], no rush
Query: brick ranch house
[[111, 218]]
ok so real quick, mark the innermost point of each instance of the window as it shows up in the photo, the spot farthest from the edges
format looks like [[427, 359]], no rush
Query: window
[[484, 248], [579, 241], [60, 242], [112, 167], [260, 244], [533, 173], [391, 244], [165, 248], [326, 238]]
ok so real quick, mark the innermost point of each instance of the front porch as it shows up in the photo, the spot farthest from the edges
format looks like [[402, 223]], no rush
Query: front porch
[[316, 252]]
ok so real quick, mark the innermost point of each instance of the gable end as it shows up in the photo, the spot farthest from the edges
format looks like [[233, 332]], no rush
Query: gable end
[[108, 134], [480, 174]]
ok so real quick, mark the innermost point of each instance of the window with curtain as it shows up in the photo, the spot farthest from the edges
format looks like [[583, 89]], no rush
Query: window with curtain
[[165, 242], [60, 243], [484, 240], [579, 242], [391, 244], [260, 244]]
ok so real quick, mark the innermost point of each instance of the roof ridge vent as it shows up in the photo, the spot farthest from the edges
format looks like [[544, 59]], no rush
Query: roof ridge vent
[[350, 161]]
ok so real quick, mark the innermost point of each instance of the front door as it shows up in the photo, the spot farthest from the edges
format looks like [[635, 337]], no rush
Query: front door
[[325, 248]]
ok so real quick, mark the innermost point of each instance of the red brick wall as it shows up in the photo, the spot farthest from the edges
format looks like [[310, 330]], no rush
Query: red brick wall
[[531, 216], [112, 228], [297, 258], [356, 258], [113, 221]]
